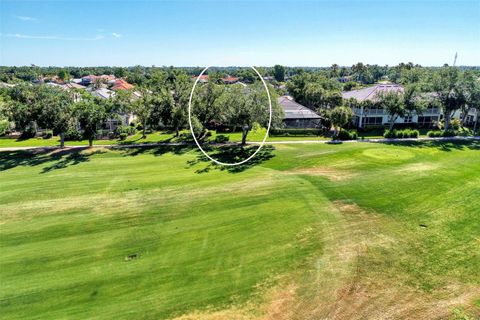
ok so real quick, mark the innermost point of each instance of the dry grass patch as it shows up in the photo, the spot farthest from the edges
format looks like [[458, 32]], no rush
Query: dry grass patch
[[332, 174]]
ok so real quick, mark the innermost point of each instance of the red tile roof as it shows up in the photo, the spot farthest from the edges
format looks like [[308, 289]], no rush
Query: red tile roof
[[121, 84], [230, 79], [203, 77]]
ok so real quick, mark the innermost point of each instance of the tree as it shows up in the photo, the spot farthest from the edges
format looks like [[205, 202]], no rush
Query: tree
[[400, 104], [245, 107], [56, 110], [23, 109], [64, 75], [4, 123], [472, 97], [449, 92], [316, 97], [279, 73], [162, 109], [339, 117], [91, 113], [142, 108]]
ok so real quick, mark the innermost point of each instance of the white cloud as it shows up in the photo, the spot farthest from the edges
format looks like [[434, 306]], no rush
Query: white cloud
[[25, 36], [26, 18], [116, 35]]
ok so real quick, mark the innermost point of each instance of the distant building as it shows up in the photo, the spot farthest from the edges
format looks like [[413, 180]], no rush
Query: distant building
[[121, 84], [103, 93], [88, 80], [230, 80], [298, 116], [373, 116], [73, 85]]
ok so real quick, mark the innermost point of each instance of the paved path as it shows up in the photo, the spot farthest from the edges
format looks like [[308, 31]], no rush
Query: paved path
[[139, 145]]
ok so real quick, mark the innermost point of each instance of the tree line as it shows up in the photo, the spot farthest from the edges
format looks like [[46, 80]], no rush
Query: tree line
[[450, 89], [160, 103]]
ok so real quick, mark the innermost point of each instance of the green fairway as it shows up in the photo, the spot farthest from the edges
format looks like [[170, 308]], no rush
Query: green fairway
[[351, 231]]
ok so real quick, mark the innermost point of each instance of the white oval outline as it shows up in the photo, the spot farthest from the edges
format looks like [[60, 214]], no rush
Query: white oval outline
[[193, 133]]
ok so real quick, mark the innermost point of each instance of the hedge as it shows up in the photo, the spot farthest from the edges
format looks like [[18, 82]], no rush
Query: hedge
[[396, 134]]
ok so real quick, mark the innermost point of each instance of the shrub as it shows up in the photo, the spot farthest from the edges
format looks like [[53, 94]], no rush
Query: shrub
[[409, 133], [434, 133], [462, 131], [123, 136], [397, 134], [139, 127], [295, 132], [129, 130], [389, 134], [28, 133], [47, 134], [73, 135], [455, 124], [448, 133], [221, 138], [3, 127], [353, 135], [345, 135]]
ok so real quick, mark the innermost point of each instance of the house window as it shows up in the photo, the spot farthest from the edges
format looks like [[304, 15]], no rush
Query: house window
[[373, 120], [407, 119], [426, 119]]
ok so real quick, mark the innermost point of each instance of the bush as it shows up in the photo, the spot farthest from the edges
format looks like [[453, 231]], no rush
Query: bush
[[462, 131], [448, 133], [455, 124], [398, 134], [139, 127], [28, 133], [434, 133], [73, 135], [221, 138], [123, 136], [389, 134], [47, 134], [409, 133], [129, 130], [345, 135], [3, 127], [295, 132]]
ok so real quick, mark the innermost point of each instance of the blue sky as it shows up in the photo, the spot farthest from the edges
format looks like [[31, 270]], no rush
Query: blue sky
[[260, 33]]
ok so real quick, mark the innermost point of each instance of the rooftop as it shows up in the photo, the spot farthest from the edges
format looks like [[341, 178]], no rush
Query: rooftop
[[121, 84], [372, 92], [294, 110]]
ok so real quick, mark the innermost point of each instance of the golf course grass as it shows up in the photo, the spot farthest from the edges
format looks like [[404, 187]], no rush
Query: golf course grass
[[310, 231]]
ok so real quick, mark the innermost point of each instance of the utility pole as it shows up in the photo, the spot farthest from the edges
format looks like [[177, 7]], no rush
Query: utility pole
[[455, 60]]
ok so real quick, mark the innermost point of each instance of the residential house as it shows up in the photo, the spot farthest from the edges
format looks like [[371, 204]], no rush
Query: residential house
[[373, 116], [103, 93], [297, 115], [121, 84], [230, 80], [73, 85]]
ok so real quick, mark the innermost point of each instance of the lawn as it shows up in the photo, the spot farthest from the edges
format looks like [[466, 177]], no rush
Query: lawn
[[349, 231]]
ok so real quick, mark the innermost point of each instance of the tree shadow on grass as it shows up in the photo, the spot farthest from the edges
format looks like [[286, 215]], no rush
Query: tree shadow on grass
[[443, 145], [156, 150], [61, 158], [232, 153]]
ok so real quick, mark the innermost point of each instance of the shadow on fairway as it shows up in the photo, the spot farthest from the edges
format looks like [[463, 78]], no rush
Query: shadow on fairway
[[61, 158], [155, 150], [230, 154], [439, 144]]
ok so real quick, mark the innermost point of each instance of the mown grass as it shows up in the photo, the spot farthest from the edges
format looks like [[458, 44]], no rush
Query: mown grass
[[159, 232]]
